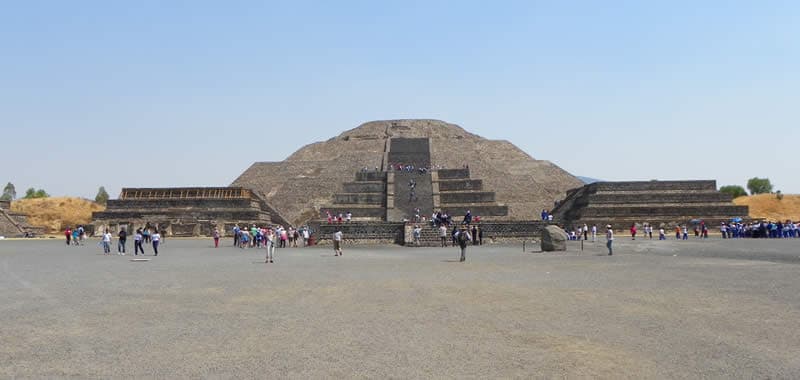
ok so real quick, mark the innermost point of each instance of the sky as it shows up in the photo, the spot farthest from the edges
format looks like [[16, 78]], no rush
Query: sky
[[191, 93]]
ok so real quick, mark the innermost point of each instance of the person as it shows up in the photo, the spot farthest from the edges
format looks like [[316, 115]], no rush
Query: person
[[662, 234], [685, 233], [443, 235], [594, 233], [474, 234], [122, 237], [480, 236], [146, 234], [306, 235], [236, 235], [81, 234], [75, 236], [609, 239], [284, 236], [633, 231], [349, 217], [156, 238], [585, 232], [270, 245], [68, 234], [650, 231], [463, 238], [244, 239], [468, 218], [137, 243], [337, 242], [678, 232], [215, 235], [107, 243], [417, 234]]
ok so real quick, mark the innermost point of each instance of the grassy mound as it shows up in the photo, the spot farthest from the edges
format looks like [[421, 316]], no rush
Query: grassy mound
[[767, 206], [55, 214]]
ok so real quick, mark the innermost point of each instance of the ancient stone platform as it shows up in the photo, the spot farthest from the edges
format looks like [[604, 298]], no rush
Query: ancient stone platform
[[666, 203], [186, 211], [14, 224]]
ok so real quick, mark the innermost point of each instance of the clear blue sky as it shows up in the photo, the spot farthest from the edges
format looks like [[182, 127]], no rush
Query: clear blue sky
[[174, 93]]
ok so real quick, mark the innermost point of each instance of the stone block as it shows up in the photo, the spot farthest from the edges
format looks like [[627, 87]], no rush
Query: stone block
[[553, 239]]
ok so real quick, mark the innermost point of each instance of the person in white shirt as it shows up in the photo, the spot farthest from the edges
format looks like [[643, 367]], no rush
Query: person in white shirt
[[156, 238], [609, 239], [443, 235], [337, 242], [594, 233], [137, 243], [585, 232], [107, 243], [270, 245]]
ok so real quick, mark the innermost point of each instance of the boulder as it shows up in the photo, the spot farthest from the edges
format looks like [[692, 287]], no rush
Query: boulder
[[554, 239]]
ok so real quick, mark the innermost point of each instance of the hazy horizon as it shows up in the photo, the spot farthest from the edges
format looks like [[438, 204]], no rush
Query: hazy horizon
[[149, 94]]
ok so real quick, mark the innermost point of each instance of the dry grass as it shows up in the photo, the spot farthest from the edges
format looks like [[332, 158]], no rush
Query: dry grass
[[55, 214], [767, 206]]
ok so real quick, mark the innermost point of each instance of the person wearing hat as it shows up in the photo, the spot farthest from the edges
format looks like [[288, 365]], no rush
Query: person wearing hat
[[463, 237], [609, 239]]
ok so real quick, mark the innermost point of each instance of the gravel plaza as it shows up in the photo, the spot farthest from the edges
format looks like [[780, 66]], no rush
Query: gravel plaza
[[671, 309]]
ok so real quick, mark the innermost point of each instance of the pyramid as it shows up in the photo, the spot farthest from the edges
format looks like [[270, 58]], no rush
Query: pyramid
[[303, 184]]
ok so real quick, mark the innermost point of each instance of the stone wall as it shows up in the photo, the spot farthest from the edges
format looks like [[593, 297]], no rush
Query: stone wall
[[360, 233]]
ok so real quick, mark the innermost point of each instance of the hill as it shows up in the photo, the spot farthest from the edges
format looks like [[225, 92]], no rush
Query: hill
[[56, 213], [767, 206]]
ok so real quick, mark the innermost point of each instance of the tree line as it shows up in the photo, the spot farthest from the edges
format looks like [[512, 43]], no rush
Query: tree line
[[10, 194], [755, 185]]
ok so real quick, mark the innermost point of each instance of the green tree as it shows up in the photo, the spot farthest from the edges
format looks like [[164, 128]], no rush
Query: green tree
[[32, 193], [9, 193], [734, 190], [759, 186], [102, 196]]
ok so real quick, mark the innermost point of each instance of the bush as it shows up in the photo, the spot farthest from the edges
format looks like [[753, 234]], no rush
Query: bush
[[734, 190]]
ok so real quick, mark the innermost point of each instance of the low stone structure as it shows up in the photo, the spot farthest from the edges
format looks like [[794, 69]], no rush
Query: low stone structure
[[186, 211], [658, 203], [14, 224]]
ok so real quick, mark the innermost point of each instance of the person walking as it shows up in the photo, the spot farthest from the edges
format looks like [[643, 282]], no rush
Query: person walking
[[156, 238], [633, 231], [463, 239], [337, 242], [585, 232], [122, 237], [215, 235], [417, 233], [609, 239], [443, 234], [685, 233], [269, 243], [137, 243], [594, 233], [68, 235], [662, 234], [107, 243], [474, 235]]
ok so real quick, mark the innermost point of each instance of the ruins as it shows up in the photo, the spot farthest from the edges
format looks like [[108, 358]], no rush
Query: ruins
[[185, 211], [659, 203], [14, 224]]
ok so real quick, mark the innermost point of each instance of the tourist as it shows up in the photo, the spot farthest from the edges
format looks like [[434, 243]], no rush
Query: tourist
[[661, 234], [306, 235], [463, 238], [678, 232], [550, 218], [468, 218], [68, 235], [453, 234], [339, 218], [609, 239], [146, 234], [348, 217], [244, 239], [685, 233], [270, 245], [107, 243], [122, 237], [75, 236], [474, 234], [236, 235], [156, 238], [137, 243], [215, 235], [284, 237], [253, 236], [480, 236], [443, 235], [296, 237], [81, 234], [723, 229], [417, 233], [585, 232], [594, 233], [337, 242], [633, 231]]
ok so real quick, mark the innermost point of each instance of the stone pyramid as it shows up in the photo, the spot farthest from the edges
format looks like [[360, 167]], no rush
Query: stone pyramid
[[308, 179]]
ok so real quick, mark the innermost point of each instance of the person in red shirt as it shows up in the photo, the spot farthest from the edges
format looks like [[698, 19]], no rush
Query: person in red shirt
[[68, 234], [633, 232]]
